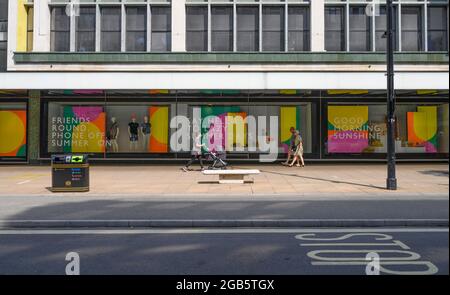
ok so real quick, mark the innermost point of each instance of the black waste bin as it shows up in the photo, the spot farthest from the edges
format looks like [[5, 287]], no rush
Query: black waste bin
[[70, 173]]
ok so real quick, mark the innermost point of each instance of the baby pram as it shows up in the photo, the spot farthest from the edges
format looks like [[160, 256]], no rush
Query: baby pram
[[218, 160]]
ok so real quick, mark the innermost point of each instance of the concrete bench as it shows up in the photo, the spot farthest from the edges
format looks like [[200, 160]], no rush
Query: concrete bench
[[231, 176]]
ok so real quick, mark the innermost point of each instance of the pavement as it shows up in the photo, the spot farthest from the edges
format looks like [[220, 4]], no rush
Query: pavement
[[314, 179], [322, 195], [185, 252]]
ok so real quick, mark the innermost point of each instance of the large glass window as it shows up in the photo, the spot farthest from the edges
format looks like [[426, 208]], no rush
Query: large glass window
[[13, 131], [412, 28], [360, 29], [78, 128], [85, 30], [136, 17], [30, 26], [437, 28], [59, 30], [362, 128], [273, 28], [111, 28], [161, 28], [335, 28], [221, 28], [247, 28], [298, 26], [380, 29], [197, 28]]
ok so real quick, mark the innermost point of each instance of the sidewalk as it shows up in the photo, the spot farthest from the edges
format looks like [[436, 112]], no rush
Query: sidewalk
[[163, 196], [316, 179]]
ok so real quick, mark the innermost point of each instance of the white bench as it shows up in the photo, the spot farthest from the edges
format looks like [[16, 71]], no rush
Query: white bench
[[231, 176]]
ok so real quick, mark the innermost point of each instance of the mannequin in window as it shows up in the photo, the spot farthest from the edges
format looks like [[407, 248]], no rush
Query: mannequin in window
[[133, 127], [113, 134], [146, 130]]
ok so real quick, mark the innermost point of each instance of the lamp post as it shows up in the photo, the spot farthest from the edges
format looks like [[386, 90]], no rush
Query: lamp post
[[391, 181]]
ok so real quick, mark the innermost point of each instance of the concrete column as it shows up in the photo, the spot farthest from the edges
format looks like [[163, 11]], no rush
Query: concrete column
[[179, 25], [34, 121], [12, 33], [317, 25], [41, 34]]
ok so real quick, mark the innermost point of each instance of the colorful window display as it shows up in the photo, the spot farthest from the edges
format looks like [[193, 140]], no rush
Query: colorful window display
[[356, 129], [348, 129], [229, 125], [13, 130], [76, 129], [139, 128]]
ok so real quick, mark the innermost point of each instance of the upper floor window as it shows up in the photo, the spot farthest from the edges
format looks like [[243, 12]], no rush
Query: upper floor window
[[161, 29], [419, 25], [437, 28], [196, 28], [136, 35], [113, 25], [85, 29], [59, 30], [247, 26], [221, 28], [335, 28]]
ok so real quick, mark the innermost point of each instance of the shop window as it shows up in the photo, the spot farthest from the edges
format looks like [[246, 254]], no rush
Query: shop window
[[13, 128], [76, 128], [137, 128], [361, 129], [238, 136]]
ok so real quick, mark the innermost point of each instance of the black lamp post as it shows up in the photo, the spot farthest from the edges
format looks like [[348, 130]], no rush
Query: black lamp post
[[391, 181]]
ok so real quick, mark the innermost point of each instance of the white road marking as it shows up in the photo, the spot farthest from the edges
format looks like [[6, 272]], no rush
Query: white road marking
[[214, 231], [23, 182]]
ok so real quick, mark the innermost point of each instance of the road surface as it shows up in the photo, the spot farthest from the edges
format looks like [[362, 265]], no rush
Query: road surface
[[240, 251]]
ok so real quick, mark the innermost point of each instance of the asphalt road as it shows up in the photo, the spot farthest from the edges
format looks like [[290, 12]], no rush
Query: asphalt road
[[225, 251]]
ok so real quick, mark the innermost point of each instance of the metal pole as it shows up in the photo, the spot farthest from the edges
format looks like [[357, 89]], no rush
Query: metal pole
[[391, 181]]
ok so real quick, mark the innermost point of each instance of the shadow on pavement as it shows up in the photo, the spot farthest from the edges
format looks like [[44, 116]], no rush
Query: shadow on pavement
[[324, 179], [435, 172]]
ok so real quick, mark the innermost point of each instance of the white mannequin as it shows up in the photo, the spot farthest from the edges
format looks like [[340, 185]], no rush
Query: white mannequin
[[145, 134], [114, 135]]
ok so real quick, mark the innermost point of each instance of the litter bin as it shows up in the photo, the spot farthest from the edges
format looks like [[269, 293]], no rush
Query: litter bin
[[70, 173]]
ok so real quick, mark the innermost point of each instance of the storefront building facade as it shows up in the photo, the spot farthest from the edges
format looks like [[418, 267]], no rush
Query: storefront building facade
[[85, 76]]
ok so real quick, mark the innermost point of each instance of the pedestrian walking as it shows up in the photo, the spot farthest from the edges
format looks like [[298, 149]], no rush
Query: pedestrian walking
[[298, 154], [196, 153], [292, 147]]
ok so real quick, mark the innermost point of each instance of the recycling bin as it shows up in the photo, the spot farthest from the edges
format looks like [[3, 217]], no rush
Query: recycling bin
[[70, 173]]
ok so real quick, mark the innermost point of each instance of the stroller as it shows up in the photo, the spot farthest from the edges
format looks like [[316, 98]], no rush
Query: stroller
[[217, 159]]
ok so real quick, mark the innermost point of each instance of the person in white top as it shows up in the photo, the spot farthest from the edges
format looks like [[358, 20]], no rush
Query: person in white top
[[196, 153]]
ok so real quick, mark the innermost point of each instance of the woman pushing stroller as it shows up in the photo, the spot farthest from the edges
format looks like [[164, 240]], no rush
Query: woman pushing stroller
[[196, 153]]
